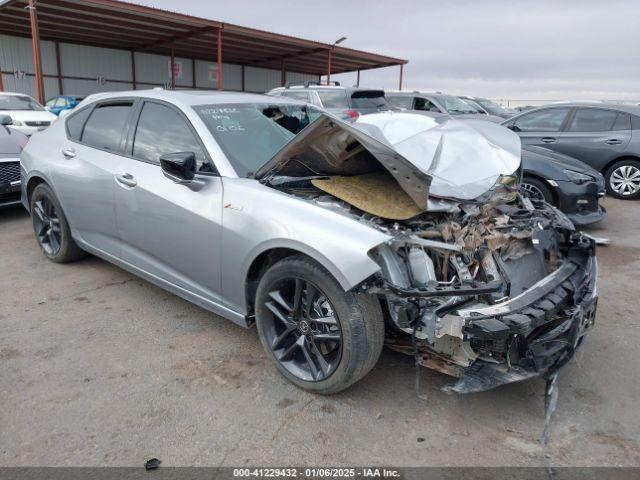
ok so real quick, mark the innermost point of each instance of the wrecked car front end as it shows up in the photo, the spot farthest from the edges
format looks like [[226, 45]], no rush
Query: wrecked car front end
[[492, 297], [475, 280]]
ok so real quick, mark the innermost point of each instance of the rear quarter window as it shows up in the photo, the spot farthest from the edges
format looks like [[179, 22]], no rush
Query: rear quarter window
[[75, 123], [333, 99]]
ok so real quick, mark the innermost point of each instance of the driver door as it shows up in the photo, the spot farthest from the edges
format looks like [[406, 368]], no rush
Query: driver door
[[169, 231]]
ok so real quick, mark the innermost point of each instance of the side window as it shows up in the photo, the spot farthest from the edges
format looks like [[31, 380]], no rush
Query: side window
[[51, 102], [424, 104], [75, 123], [61, 102], [623, 122], [635, 122], [401, 101], [162, 130], [298, 95], [549, 120], [593, 120], [105, 126]]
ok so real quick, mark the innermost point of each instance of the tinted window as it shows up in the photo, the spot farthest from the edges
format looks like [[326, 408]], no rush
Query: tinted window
[[369, 99], [635, 122], [105, 126], [162, 130], [424, 104], [333, 99], [304, 96], [593, 120], [250, 134], [549, 120], [623, 122], [75, 123], [401, 102]]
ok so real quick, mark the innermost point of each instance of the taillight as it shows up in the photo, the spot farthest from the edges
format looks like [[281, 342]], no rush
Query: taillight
[[351, 113]]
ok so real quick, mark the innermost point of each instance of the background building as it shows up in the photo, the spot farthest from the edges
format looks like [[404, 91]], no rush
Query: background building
[[77, 47]]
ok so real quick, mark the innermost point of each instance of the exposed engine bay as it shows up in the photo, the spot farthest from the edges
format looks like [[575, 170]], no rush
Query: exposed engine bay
[[491, 290]]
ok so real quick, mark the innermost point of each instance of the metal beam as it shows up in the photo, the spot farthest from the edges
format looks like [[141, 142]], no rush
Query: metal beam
[[219, 59], [173, 69], [133, 70], [37, 53], [59, 68], [329, 66], [400, 81]]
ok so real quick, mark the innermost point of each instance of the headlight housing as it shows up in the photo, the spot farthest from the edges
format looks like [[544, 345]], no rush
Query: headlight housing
[[578, 177]]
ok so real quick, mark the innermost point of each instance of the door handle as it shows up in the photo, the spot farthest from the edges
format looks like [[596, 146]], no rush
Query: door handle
[[613, 141], [126, 179], [548, 140], [69, 152]]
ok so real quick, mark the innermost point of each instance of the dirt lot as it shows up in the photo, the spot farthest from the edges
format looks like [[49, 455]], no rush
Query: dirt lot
[[100, 368]]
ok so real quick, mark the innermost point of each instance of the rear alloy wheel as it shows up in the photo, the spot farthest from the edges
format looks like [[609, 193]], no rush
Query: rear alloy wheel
[[536, 190], [623, 179], [51, 228], [321, 338]]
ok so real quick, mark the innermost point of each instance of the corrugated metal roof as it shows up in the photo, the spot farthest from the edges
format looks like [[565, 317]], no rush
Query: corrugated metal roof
[[117, 24]]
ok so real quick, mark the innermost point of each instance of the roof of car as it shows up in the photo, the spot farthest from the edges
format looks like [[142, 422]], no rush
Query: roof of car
[[192, 97], [633, 109], [325, 87], [417, 92]]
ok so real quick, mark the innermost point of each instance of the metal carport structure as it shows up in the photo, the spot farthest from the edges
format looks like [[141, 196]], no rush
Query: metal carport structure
[[135, 28]]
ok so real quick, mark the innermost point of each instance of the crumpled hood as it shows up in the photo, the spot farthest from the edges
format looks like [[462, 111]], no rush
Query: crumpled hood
[[330, 147], [463, 158]]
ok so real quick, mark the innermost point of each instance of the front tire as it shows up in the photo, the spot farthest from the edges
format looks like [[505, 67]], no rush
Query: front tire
[[51, 227], [537, 190], [321, 338], [623, 179]]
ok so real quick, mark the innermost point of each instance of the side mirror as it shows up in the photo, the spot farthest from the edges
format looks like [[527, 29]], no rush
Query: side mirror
[[513, 127], [179, 167], [6, 120]]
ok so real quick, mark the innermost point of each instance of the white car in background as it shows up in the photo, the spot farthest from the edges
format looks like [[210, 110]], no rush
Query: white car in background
[[27, 114]]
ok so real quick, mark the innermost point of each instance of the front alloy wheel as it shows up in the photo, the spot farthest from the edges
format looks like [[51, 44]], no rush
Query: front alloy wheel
[[320, 338], [303, 331]]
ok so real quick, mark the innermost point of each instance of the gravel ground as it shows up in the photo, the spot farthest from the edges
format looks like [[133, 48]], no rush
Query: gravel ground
[[101, 368]]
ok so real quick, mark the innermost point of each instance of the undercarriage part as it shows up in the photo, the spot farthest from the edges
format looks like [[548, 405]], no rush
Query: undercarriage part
[[421, 266], [550, 403]]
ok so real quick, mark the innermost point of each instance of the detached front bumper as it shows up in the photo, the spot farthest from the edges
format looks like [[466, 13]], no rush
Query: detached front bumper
[[580, 202], [526, 339]]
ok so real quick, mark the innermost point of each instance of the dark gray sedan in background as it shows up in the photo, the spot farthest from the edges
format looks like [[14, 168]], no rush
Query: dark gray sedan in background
[[604, 136]]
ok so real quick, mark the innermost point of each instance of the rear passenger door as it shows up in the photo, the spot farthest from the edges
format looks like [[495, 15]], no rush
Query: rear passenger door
[[541, 127], [86, 165], [169, 231], [596, 135]]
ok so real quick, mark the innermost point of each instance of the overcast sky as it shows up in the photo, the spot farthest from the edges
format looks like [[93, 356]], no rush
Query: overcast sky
[[588, 49]]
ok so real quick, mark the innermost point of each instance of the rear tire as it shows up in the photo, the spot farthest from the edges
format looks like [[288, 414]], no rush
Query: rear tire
[[622, 179], [341, 348], [51, 227], [537, 190]]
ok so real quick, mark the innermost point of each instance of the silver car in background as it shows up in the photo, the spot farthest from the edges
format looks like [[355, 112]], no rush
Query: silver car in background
[[333, 238]]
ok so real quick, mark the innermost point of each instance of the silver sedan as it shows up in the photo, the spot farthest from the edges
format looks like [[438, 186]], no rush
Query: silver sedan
[[332, 238]]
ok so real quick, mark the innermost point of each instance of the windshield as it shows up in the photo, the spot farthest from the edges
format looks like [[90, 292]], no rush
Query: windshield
[[455, 106], [251, 133], [369, 99], [490, 106], [18, 102]]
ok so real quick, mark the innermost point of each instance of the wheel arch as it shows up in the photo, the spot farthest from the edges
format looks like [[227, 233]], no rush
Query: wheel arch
[[272, 254], [618, 159], [34, 180]]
